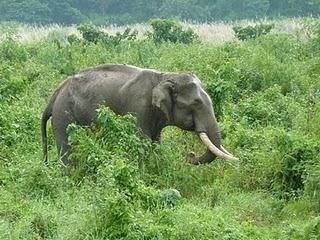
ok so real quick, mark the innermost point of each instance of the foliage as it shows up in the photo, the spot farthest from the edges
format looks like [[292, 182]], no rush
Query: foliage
[[124, 12], [299, 154], [109, 153], [91, 33], [217, 90], [34, 11], [265, 93], [250, 32], [268, 107], [170, 31]]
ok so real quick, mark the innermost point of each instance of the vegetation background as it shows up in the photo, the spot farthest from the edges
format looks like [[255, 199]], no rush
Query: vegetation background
[[133, 11], [266, 93]]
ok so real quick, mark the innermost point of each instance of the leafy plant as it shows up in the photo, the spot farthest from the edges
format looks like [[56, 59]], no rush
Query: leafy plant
[[298, 155], [270, 107], [266, 95], [91, 33], [116, 136], [251, 32], [165, 30], [218, 91]]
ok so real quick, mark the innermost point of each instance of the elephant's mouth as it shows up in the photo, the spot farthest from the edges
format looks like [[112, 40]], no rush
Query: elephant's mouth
[[187, 125], [190, 127]]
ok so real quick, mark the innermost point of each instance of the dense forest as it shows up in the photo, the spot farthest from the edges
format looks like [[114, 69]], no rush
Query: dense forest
[[131, 11]]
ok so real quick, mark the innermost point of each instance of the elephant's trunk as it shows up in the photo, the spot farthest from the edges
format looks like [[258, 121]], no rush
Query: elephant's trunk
[[209, 133]]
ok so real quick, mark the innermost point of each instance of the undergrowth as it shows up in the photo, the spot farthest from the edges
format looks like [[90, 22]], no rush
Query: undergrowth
[[266, 96]]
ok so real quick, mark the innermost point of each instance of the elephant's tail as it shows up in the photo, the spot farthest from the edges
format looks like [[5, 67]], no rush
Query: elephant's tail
[[45, 117]]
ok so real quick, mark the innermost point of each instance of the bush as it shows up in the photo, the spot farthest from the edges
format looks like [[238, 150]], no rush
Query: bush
[[270, 107], [108, 156], [312, 181], [298, 154], [170, 31], [251, 32], [11, 50], [12, 83], [218, 91], [266, 95], [91, 33]]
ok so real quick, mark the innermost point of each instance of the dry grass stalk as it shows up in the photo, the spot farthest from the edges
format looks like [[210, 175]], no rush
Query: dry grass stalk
[[215, 32]]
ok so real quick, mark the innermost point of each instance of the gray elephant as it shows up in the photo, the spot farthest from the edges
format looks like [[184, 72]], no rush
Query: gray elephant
[[158, 99]]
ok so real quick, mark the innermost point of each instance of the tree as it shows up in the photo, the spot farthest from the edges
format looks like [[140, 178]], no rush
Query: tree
[[63, 12], [25, 11], [132, 11], [183, 9]]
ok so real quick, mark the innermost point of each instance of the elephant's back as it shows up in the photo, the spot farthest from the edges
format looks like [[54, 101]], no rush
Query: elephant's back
[[100, 86], [109, 71], [103, 75]]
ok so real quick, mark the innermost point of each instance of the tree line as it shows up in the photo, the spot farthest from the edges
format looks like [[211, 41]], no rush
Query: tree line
[[133, 11]]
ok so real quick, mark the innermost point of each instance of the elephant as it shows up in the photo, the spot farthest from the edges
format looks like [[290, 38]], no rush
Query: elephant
[[157, 99]]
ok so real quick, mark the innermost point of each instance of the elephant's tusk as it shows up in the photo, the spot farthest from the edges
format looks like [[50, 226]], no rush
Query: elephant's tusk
[[223, 149], [216, 151]]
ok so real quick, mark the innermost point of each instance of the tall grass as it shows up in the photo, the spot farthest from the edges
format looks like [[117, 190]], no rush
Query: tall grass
[[266, 93], [215, 32]]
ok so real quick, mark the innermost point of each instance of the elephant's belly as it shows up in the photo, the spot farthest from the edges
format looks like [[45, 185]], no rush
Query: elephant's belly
[[85, 111]]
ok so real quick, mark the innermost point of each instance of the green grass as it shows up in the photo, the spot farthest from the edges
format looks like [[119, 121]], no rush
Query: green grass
[[266, 95]]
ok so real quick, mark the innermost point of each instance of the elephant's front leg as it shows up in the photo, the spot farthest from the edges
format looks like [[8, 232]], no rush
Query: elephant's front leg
[[144, 127], [150, 128]]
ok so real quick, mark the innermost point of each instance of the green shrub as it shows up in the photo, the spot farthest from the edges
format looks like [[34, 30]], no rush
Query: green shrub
[[270, 107], [12, 83], [170, 31], [73, 39], [312, 182], [261, 66], [91, 33], [251, 32], [118, 135], [266, 95], [298, 154], [109, 154], [312, 229], [43, 225], [12, 51], [218, 91]]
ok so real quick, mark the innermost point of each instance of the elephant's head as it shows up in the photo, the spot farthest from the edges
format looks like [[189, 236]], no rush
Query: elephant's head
[[182, 99]]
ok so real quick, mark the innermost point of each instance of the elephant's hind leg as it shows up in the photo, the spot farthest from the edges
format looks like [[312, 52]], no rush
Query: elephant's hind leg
[[60, 123]]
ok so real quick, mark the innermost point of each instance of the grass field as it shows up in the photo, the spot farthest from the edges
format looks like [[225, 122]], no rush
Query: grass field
[[266, 94]]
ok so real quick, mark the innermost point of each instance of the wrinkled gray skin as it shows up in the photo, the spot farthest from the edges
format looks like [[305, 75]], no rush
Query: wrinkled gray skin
[[158, 99]]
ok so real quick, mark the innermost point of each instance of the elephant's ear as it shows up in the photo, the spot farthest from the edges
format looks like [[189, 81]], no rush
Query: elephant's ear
[[162, 97]]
